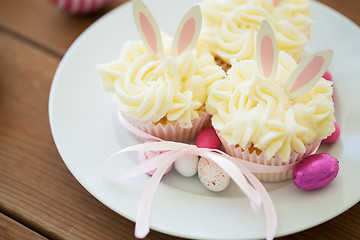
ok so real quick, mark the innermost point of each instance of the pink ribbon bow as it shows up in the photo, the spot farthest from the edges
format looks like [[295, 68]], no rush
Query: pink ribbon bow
[[239, 170]]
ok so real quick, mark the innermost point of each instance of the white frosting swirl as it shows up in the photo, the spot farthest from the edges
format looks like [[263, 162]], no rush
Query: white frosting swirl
[[249, 109], [230, 27], [149, 89]]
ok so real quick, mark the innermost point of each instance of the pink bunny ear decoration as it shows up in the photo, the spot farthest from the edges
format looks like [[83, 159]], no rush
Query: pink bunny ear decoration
[[266, 50], [147, 28], [276, 2], [307, 73], [188, 31]]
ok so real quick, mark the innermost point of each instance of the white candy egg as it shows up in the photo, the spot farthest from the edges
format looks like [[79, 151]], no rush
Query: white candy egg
[[187, 165], [212, 176]]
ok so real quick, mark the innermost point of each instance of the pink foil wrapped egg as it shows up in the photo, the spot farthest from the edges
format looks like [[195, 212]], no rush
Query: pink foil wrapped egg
[[146, 155], [80, 6], [315, 171], [334, 136], [212, 176], [208, 138]]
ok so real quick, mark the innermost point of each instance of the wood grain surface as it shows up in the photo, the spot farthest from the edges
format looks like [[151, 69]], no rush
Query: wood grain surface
[[10, 229], [39, 198]]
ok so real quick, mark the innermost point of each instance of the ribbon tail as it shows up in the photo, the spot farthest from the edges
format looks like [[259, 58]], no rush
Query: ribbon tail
[[271, 217], [142, 226]]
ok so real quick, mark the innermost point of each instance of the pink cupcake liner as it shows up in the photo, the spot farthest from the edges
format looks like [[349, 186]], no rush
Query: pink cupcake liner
[[173, 132], [274, 161]]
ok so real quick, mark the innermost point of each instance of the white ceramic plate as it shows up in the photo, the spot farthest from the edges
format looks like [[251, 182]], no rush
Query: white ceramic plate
[[82, 125]]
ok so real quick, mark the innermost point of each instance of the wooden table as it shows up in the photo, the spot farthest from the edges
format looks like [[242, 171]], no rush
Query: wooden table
[[39, 198]]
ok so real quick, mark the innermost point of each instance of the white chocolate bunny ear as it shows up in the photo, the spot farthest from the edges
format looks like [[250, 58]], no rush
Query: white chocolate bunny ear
[[188, 31], [147, 28], [307, 73], [266, 50]]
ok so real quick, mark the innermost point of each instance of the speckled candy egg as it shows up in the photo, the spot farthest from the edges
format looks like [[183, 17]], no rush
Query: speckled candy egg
[[212, 176], [146, 155], [80, 6], [315, 171]]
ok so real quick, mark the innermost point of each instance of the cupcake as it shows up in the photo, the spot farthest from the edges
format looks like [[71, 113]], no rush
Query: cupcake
[[230, 27], [271, 110], [160, 84]]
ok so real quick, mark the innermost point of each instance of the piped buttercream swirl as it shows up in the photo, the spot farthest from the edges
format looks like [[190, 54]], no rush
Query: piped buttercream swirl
[[251, 110], [149, 88], [230, 27]]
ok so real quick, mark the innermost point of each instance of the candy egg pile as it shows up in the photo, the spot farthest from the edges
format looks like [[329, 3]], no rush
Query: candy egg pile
[[211, 175]]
